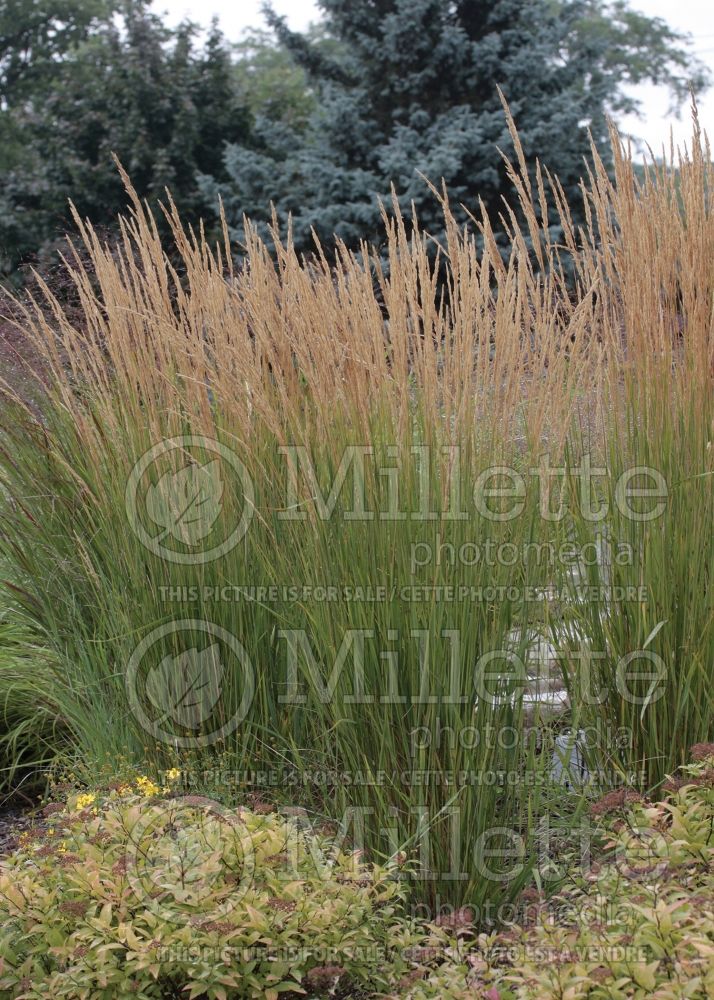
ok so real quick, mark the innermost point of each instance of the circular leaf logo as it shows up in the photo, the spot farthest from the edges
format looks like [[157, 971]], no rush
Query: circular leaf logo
[[190, 683], [190, 859], [183, 500]]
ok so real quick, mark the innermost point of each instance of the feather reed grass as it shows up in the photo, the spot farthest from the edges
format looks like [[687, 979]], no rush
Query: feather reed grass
[[585, 341]]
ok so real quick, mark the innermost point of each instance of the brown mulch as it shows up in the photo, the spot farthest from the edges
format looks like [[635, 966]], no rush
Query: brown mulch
[[13, 822]]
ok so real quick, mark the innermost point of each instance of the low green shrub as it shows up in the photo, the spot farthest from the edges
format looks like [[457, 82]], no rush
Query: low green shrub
[[140, 892], [145, 894]]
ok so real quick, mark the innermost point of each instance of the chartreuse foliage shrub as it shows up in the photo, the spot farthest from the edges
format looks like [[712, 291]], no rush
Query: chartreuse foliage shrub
[[142, 894]]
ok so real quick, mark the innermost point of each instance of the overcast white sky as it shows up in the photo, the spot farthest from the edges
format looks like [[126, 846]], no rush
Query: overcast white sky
[[693, 16]]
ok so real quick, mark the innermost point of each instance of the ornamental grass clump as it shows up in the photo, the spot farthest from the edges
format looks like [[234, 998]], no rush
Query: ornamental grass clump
[[310, 514]]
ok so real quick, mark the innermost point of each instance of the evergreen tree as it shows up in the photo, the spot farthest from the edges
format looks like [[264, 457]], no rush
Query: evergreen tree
[[34, 34], [412, 88], [129, 86], [271, 81]]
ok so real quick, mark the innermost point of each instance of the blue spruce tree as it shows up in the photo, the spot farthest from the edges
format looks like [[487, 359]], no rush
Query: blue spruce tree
[[412, 88]]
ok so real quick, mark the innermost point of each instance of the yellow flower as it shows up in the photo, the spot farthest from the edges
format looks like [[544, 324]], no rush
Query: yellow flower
[[83, 801], [173, 774], [146, 786]]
